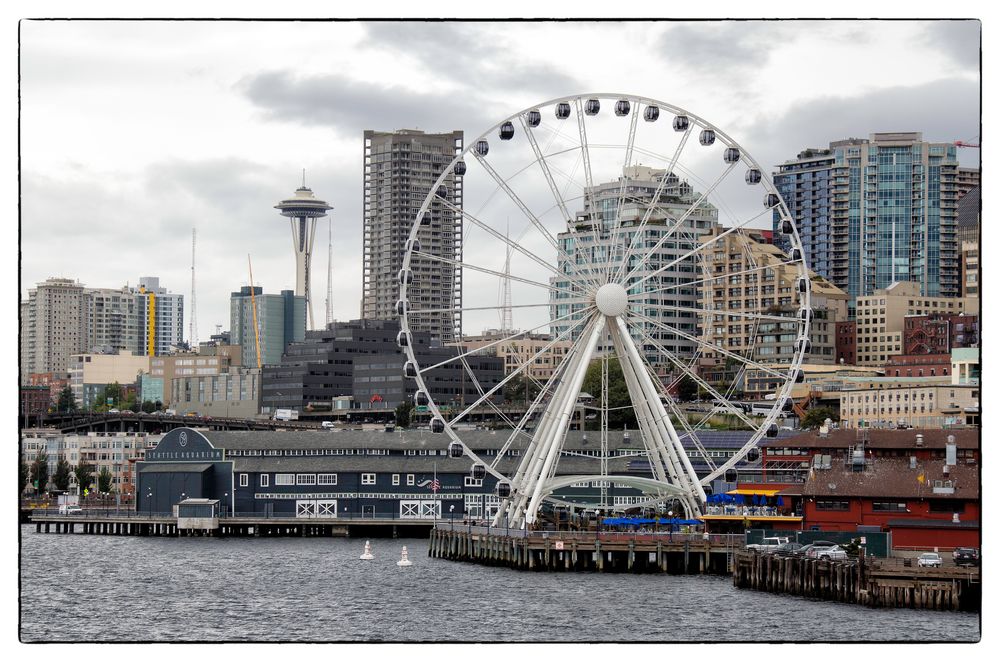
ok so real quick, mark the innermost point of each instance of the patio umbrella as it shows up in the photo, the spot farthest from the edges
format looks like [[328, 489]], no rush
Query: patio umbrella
[[781, 501]]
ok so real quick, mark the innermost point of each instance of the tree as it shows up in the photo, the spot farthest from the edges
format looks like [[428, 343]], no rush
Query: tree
[[404, 410], [687, 389], [24, 474], [520, 389], [84, 473], [148, 407], [40, 472], [113, 392], [66, 402], [60, 478], [816, 416], [619, 400], [104, 480]]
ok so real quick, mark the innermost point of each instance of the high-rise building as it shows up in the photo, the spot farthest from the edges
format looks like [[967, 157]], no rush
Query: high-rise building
[[892, 212], [968, 179], [161, 318], [586, 248], [770, 290], [303, 210], [110, 320], [55, 326], [280, 320], [400, 168]]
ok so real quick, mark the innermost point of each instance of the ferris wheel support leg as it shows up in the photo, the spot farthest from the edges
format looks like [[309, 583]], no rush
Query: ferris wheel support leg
[[649, 395], [568, 393], [528, 470]]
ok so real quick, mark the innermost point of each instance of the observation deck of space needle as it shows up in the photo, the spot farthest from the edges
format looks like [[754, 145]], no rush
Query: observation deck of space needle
[[612, 212]]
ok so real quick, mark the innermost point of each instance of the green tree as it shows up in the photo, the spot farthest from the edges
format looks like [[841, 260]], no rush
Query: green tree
[[816, 416], [404, 410], [60, 478], [66, 402], [40, 472], [84, 473], [687, 389], [113, 392], [104, 480], [520, 389], [24, 474], [148, 407], [621, 413]]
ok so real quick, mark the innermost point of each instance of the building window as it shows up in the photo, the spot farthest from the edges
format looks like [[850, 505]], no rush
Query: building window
[[395, 479], [264, 480], [832, 504], [410, 480], [473, 482], [367, 479], [305, 479], [284, 479], [888, 507], [244, 480], [327, 479]]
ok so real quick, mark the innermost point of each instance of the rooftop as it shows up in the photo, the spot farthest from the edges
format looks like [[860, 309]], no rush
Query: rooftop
[[877, 438], [893, 477]]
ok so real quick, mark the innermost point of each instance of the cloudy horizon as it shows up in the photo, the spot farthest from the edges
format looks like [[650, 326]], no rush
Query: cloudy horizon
[[133, 133]]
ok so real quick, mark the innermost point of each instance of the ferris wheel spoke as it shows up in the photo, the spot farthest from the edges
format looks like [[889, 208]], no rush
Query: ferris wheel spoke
[[556, 194], [584, 313], [492, 405], [669, 172], [519, 370], [720, 276], [588, 176], [720, 312], [505, 239], [714, 348], [524, 208], [498, 274], [694, 375], [623, 188], [705, 245], [683, 217], [438, 311]]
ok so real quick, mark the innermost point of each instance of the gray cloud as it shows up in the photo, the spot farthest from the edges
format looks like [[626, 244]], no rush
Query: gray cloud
[[959, 40], [471, 54], [722, 48], [349, 107]]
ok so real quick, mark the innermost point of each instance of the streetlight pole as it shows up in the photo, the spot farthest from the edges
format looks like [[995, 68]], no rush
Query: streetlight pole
[[451, 513], [149, 503]]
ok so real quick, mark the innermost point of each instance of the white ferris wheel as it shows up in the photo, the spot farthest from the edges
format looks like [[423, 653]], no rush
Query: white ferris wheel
[[599, 221]]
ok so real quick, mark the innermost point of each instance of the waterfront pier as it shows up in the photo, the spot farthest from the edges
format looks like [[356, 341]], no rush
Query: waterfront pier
[[873, 582], [605, 551]]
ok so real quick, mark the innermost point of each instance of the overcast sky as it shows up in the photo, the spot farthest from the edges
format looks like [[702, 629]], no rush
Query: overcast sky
[[133, 133]]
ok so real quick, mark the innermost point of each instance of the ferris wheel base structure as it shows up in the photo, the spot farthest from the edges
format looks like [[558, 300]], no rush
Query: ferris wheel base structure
[[600, 226]]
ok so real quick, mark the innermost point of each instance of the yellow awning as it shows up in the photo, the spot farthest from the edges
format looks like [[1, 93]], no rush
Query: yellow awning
[[768, 493]]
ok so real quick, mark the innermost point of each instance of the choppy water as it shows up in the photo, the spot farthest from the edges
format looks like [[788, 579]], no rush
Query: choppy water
[[104, 588]]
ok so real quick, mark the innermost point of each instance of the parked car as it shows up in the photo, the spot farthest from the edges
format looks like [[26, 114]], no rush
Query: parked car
[[929, 560], [768, 545], [804, 550], [70, 510], [833, 552], [326, 425], [113, 411], [787, 549], [965, 556]]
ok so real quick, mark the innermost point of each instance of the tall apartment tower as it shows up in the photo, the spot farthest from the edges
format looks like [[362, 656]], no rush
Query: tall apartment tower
[[584, 251], [281, 319], [54, 328], [804, 184], [892, 212], [110, 320], [161, 318], [967, 179], [400, 168]]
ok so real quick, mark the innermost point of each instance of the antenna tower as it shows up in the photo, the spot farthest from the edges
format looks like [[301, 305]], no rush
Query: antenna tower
[[329, 276], [193, 325], [507, 324]]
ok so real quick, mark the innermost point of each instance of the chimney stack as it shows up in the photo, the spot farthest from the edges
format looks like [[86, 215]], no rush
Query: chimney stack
[[951, 452]]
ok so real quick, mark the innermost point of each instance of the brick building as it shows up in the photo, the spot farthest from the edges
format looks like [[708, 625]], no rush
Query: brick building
[[847, 342]]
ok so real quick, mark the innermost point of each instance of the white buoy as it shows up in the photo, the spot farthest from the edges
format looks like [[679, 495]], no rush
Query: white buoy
[[404, 561], [367, 556]]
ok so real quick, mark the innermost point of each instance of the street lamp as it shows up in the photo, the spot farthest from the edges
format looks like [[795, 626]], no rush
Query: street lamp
[[670, 514], [149, 502], [451, 513], [225, 504]]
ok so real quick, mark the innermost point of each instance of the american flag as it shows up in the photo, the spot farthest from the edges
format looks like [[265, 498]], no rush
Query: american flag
[[435, 485]]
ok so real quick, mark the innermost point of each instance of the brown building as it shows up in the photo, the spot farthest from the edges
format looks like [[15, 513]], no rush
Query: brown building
[[35, 400], [918, 365], [55, 381], [938, 333], [847, 343]]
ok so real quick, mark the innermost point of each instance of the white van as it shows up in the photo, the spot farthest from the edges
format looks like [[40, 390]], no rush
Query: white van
[[69, 509], [326, 425]]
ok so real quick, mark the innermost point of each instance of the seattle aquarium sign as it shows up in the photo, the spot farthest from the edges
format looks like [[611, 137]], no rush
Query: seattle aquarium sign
[[184, 444]]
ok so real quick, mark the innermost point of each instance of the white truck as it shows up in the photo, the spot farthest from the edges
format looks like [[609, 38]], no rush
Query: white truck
[[286, 415], [768, 545]]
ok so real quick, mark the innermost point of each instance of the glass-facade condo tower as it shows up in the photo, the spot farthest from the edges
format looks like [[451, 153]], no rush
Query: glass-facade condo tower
[[893, 213]]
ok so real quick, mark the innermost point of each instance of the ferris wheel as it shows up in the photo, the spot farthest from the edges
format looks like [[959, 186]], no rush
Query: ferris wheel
[[604, 230]]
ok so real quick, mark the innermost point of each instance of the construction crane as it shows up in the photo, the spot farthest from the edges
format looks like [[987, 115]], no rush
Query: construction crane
[[964, 143]]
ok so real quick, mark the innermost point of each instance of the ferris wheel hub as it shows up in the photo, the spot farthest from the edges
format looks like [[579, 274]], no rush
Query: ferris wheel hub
[[612, 299]]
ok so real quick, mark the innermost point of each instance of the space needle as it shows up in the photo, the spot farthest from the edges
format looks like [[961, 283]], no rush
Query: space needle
[[302, 211]]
